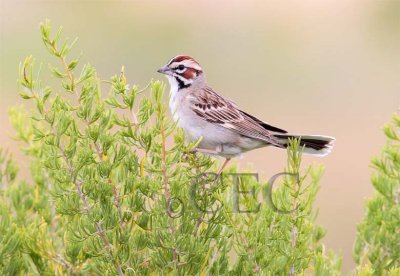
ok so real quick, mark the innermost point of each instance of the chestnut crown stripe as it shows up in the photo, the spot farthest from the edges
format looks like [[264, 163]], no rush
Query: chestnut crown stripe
[[181, 58]]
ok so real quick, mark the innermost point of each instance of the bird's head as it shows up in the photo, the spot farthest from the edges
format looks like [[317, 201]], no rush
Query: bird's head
[[182, 71]]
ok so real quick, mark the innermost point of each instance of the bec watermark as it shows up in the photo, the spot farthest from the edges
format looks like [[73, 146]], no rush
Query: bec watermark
[[238, 193], [204, 194]]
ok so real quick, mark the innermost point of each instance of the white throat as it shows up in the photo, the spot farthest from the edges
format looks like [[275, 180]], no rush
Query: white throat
[[173, 96]]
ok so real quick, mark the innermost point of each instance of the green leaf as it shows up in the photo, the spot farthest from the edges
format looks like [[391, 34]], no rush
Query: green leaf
[[73, 64], [114, 103], [25, 95], [56, 73]]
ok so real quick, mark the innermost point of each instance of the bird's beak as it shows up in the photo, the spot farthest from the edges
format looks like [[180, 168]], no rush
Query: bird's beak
[[165, 70]]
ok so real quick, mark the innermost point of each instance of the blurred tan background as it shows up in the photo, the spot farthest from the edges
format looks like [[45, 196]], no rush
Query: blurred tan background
[[324, 67]]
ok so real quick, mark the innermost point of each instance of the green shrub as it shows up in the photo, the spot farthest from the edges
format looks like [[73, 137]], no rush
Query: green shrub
[[377, 247], [115, 190]]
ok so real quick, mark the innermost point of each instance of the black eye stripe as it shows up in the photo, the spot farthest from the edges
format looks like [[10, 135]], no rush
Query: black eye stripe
[[180, 67]]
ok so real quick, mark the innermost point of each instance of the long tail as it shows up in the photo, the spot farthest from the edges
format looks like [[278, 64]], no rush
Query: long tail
[[318, 145]]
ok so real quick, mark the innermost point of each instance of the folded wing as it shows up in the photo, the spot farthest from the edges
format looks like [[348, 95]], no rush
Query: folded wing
[[213, 108]]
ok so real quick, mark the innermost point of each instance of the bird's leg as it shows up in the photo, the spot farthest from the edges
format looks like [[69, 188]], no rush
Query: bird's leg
[[217, 150], [221, 169]]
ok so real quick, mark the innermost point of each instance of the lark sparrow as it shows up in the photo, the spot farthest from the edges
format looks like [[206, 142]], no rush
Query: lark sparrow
[[224, 128]]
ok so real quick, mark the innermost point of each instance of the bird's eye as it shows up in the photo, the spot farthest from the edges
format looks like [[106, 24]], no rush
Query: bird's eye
[[181, 67]]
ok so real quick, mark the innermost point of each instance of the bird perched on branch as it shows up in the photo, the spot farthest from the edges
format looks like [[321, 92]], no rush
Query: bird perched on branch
[[225, 129]]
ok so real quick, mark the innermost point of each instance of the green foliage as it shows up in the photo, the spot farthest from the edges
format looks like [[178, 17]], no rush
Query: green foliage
[[115, 190], [377, 247]]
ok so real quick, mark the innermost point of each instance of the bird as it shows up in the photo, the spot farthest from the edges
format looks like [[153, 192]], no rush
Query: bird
[[223, 128]]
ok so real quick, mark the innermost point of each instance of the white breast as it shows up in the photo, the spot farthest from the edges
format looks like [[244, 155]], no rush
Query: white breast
[[195, 127]]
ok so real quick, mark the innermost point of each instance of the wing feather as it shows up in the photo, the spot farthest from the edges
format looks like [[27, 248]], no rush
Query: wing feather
[[215, 109]]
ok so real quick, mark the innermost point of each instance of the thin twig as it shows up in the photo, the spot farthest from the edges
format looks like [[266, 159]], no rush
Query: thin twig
[[163, 164], [165, 182], [59, 259], [294, 228]]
